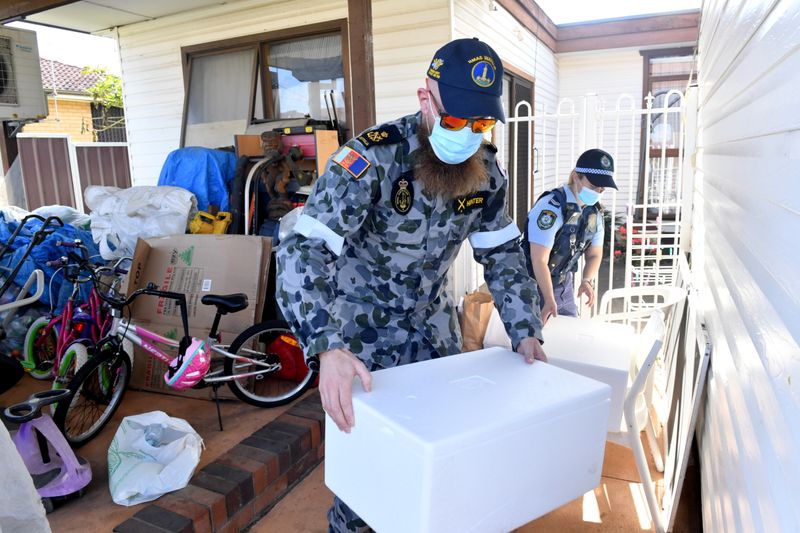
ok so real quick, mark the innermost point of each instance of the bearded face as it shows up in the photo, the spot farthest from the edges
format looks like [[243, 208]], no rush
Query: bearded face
[[442, 179]]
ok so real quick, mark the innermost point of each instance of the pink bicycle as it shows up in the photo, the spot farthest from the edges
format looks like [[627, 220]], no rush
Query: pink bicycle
[[263, 366], [57, 345]]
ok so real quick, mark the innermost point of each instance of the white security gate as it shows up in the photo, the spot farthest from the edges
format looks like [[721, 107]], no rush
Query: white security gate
[[647, 213]]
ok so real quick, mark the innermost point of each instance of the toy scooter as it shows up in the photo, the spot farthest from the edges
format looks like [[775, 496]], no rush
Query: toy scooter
[[58, 474]]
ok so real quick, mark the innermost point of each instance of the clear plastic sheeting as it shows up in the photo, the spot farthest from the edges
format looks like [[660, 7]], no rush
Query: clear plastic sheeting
[[121, 216]]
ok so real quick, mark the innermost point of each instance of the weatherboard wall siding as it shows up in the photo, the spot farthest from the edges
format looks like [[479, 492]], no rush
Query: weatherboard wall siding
[[405, 34], [745, 253]]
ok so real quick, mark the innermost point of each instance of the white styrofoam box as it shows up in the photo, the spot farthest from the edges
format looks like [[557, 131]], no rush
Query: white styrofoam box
[[480, 441], [595, 349]]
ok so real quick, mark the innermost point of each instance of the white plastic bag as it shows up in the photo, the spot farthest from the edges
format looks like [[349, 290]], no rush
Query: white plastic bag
[[151, 454], [120, 216]]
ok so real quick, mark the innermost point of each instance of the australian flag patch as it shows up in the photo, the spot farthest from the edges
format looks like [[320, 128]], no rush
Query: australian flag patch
[[353, 162]]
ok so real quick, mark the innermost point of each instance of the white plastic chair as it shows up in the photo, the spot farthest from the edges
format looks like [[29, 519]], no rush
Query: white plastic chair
[[638, 303], [636, 414]]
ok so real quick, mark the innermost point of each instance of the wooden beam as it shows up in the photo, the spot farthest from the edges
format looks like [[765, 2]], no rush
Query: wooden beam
[[530, 15], [362, 78], [637, 31], [14, 9]]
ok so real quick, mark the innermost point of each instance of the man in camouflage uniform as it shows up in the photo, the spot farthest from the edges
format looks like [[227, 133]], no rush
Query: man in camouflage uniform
[[362, 277]]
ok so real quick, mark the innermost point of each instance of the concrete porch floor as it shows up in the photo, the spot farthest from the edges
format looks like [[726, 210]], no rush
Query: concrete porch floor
[[616, 505]]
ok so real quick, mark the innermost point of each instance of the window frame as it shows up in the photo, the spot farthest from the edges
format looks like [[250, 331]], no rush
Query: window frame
[[520, 75], [260, 43], [645, 152]]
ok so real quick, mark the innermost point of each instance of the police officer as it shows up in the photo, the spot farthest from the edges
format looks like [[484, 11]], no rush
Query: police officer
[[564, 224], [362, 277]]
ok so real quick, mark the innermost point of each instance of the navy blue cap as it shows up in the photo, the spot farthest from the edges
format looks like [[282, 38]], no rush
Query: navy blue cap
[[470, 78], [598, 167]]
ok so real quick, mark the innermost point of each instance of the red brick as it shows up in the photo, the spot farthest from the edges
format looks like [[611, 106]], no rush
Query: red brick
[[242, 478], [213, 501], [257, 469], [245, 516], [164, 519], [321, 451], [267, 458], [269, 497], [199, 514], [229, 489], [313, 426]]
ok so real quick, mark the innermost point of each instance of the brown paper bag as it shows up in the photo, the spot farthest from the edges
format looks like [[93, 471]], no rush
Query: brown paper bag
[[474, 319]]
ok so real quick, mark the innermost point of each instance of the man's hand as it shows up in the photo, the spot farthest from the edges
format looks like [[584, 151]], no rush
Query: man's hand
[[531, 349], [336, 371], [549, 309], [587, 289]]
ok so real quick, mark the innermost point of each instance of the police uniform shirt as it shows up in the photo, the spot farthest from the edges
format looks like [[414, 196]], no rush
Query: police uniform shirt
[[545, 219]]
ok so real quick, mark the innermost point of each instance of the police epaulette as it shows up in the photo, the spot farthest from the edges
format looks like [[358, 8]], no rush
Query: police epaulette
[[380, 135]]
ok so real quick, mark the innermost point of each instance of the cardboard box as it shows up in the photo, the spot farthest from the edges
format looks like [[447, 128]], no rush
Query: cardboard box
[[148, 372], [195, 265], [476, 442]]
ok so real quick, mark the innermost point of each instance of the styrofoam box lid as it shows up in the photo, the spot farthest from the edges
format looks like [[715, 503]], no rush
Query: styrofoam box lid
[[589, 341], [443, 402]]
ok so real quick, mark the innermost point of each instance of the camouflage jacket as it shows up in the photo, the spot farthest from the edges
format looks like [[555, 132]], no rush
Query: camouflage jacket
[[367, 261]]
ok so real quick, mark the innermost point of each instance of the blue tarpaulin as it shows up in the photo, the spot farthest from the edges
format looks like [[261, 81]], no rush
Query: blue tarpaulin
[[205, 172], [58, 290]]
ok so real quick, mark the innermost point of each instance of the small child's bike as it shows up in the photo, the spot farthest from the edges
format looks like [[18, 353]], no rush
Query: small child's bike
[[263, 366]]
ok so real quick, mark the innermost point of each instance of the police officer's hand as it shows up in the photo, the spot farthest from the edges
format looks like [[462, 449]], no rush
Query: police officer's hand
[[549, 309], [336, 371], [587, 289], [531, 349]]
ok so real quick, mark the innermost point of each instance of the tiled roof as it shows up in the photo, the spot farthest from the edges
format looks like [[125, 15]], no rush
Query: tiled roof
[[68, 78]]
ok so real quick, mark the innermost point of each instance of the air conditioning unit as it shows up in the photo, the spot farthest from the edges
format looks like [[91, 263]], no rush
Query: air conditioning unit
[[21, 94]]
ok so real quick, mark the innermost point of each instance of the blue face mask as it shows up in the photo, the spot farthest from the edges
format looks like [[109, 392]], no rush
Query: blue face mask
[[453, 147], [588, 196]]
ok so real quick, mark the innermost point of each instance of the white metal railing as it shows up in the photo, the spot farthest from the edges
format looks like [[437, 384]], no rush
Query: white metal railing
[[652, 217]]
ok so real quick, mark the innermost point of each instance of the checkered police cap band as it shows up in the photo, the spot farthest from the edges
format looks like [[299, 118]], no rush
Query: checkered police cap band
[[584, 170]]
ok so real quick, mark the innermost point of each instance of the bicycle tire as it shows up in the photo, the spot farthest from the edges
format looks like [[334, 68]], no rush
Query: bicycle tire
[[38, 363], [267, 390], [75, 356], [88, 385]]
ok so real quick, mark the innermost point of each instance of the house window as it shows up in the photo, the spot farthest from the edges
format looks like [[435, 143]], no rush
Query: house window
[[664, 71], [286, 78], [516, 89], [304, 75]]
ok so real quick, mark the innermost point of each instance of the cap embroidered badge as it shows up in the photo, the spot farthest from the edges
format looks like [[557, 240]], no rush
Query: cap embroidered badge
[[466, 71]]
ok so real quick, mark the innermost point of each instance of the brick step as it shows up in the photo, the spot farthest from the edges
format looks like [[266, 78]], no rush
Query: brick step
[[245, 482]]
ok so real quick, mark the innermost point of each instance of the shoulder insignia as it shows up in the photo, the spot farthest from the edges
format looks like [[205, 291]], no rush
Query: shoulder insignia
[[554, 202], [353, 162], [380, 135], [468, 203], [546, 219]]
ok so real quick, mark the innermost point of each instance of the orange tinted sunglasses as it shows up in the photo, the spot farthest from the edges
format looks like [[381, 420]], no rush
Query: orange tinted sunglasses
[[449, 122]]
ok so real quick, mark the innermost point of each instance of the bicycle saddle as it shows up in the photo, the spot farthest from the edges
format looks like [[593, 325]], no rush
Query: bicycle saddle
[[226, 303], [32, 407]]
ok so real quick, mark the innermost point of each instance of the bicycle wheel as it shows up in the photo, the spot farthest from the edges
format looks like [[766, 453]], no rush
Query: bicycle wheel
[[271, 343], [97, 390], [75, 356], [40, 348]]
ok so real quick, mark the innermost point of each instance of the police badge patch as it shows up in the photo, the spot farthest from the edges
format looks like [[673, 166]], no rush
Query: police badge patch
[[546, 219]]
